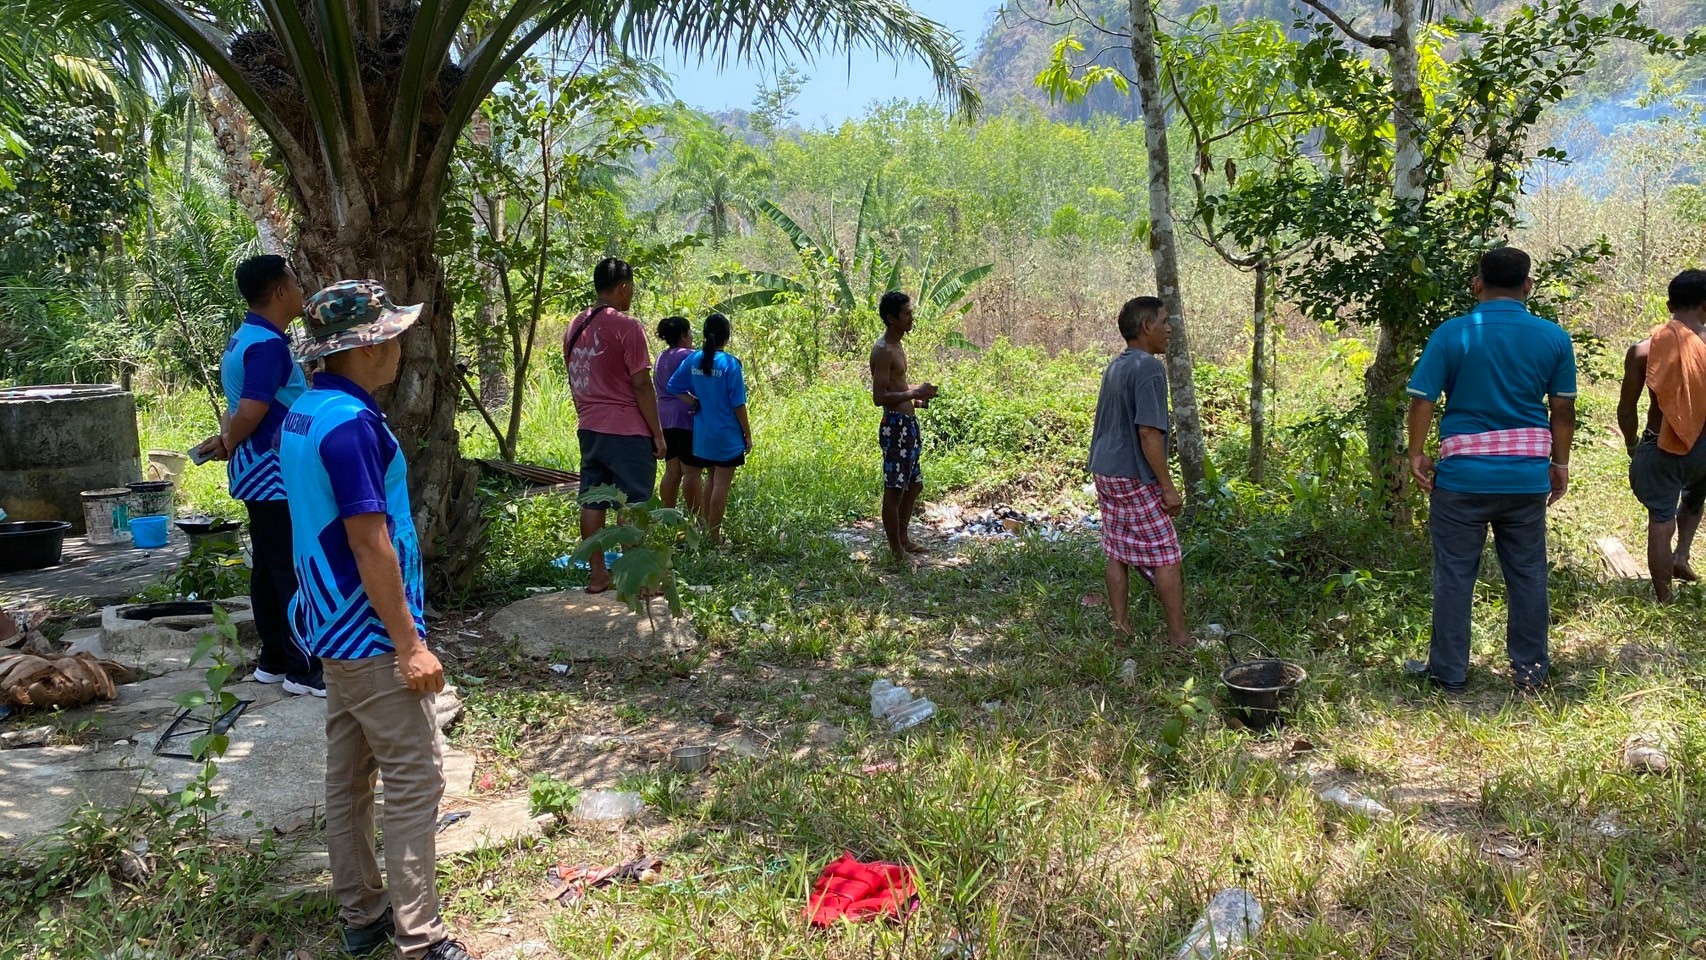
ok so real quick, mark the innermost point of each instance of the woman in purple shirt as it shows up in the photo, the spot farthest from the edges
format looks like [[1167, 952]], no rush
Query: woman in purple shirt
[[683, 474]]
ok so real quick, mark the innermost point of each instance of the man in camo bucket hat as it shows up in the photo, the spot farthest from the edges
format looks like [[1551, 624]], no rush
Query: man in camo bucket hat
[[360, 607], [350, 314]]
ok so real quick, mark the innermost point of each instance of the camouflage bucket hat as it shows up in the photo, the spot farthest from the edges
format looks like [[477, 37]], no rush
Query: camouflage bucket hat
[[350, 314]]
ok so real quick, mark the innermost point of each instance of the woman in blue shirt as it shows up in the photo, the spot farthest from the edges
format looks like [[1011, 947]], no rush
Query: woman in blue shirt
[[713, 383]]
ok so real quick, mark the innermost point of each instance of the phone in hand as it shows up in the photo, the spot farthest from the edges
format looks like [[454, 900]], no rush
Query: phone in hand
[[198, 456]]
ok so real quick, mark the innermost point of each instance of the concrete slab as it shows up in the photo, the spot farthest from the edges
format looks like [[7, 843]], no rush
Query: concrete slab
[[104, 574], [274, 768], [41, 789], [489, 824], [572, 625]]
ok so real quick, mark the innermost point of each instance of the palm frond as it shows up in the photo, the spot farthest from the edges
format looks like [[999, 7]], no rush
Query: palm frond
[[743, 30]]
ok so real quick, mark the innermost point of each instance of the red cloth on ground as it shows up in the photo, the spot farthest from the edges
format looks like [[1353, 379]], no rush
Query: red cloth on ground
[[851, 890]]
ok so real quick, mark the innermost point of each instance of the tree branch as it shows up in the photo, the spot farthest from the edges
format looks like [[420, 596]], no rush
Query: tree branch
[[490, 61], [474, 398], [1382, 41]]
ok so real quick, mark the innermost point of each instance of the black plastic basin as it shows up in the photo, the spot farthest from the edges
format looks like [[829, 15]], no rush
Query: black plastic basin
[[31, 544]]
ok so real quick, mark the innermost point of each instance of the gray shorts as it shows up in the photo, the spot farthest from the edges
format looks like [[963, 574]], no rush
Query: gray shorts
[[1661, 479], [624, 462]]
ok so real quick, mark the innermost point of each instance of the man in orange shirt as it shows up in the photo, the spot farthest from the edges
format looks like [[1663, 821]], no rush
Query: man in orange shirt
[[1667, 460]]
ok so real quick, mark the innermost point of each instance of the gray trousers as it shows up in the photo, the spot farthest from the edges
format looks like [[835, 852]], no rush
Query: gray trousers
[[1458, 525]]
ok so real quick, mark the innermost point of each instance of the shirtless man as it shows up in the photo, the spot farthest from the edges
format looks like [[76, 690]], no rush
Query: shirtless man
[[1667, 460], [903, 479]]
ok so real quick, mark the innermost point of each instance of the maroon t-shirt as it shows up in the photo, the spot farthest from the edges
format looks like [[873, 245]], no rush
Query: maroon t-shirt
[[607, 354]]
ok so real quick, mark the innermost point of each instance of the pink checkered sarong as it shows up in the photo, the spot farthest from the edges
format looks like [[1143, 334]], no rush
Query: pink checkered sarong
[[1522, 442], [1135, 525]]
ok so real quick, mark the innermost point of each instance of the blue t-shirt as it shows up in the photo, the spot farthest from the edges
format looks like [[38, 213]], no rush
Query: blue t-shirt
[[1496, 365], [257, 366], [716, 432], [340, 460]]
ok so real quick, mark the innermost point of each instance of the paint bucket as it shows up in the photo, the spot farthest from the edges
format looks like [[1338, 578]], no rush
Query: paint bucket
[[150, 498], [106, 515], [148, 532], [166, 465]]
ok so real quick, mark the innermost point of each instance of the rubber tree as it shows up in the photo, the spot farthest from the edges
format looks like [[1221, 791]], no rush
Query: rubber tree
[[364, 105], [1242, 92], [1472, 127], [1164, 248], [1072, 82], [1383, 382]]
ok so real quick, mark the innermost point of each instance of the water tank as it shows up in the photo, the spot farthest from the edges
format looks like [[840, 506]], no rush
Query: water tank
[[57, 441]]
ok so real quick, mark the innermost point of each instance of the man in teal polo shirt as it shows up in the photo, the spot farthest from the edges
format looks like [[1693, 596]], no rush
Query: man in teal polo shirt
[[1509, 379]]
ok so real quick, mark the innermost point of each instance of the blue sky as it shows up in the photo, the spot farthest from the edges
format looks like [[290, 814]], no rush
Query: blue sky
[[838, 88]]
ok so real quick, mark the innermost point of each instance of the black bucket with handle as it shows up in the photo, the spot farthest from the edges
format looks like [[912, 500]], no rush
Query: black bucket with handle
[[1261, 689]]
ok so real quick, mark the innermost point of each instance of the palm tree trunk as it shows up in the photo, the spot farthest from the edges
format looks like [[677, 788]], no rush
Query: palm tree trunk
[[421, 406], [249, 181], [1383, 383], [491, 327], [1163, 249]]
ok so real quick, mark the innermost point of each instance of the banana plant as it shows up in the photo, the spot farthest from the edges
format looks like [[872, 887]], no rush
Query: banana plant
[[867, 267]]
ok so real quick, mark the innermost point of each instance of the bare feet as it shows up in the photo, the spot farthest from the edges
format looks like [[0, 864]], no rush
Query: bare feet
[[917, 548], [1663, 592], [902, 559], [1182, 642], [600, 585], [1123, 629], [1682, 571]]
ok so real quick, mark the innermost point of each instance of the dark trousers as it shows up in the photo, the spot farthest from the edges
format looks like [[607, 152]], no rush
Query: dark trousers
[[272, 582], [1458, 524]]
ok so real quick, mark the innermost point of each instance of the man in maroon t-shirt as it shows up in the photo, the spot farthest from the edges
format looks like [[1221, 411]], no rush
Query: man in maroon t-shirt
[[610, 375]]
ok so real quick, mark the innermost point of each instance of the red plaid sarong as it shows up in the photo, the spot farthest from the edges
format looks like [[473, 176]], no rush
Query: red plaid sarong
[[1522, 442], [1135, 525]]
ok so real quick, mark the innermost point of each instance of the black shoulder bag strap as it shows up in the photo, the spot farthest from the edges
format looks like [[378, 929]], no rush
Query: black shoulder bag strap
[[574, 338]]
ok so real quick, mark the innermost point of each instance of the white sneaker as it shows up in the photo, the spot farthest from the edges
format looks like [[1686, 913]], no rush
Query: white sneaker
[[261, 676], [302, 689]]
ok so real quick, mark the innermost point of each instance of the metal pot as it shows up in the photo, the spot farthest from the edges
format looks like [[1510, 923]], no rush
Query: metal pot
[[691, 759], [1261, 690]]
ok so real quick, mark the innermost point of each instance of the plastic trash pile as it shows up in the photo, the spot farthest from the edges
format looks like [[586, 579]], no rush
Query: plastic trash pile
[[896, 709], [1006, 521], [1232, 919]]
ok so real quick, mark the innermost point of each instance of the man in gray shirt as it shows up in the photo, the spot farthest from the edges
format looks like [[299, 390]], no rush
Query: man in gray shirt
[[1128, 457]]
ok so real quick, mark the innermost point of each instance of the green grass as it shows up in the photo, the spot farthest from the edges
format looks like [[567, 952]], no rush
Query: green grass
[[1042, 814]]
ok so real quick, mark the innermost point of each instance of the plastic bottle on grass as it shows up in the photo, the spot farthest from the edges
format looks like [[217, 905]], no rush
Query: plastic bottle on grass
[[896, 709], [609, 805], [1368, 807], [1232, 919], [886, 698]]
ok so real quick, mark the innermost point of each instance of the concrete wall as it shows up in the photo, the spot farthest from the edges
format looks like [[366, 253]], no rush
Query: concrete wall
[[57, 441]]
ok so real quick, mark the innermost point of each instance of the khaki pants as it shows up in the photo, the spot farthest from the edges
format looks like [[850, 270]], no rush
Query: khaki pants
[[376, 726]]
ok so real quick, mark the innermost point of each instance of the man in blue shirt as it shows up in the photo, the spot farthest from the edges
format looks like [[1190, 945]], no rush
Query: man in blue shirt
[[261, 382], [360, 609], [1509, 379]]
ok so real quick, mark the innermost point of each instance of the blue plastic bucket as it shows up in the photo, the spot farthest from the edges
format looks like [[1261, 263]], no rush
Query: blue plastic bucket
[[148, 532]]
